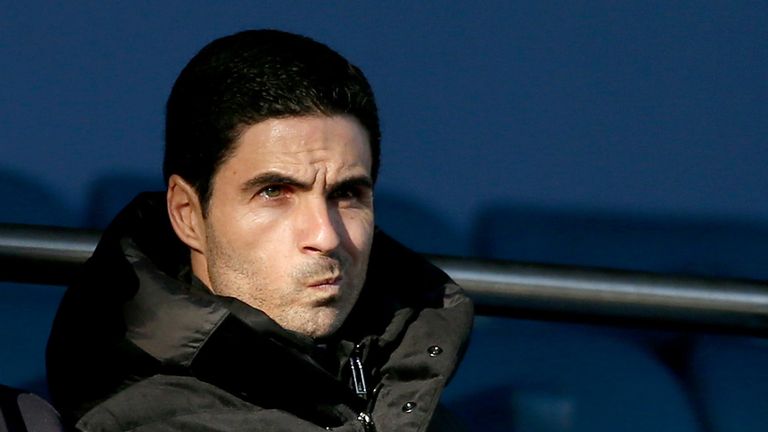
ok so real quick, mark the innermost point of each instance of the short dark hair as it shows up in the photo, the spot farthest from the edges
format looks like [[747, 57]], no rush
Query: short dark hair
[[240, 80]]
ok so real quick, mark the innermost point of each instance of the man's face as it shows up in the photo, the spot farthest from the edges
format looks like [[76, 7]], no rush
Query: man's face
[[290, 221]]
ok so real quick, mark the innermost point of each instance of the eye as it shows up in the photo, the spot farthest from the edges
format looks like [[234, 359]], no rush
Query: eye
[[345, 193], [352, 195], [271, 192]]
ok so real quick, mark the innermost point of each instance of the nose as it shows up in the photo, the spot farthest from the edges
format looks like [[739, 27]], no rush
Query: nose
[[319, 227]]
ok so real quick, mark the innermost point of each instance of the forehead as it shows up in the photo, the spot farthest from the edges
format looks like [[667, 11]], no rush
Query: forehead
[[337, 142]]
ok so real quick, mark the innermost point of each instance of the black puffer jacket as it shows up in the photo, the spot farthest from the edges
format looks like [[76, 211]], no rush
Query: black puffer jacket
[[141, 345]]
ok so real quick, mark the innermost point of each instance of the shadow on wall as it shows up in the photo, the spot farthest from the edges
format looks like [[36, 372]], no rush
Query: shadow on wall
[[25, 200], [666, 244], [417, 225], [110, 193]]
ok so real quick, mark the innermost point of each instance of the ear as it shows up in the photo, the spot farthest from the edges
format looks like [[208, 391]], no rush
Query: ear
[[185, 213]]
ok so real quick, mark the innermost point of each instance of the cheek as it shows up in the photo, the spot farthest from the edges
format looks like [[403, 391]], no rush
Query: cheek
[[249, 235], [359, 226]]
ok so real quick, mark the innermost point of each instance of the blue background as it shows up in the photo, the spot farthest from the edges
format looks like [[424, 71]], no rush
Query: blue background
[[611, 134]]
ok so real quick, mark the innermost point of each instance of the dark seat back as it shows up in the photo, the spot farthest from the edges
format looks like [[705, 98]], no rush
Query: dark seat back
[[21, 411]]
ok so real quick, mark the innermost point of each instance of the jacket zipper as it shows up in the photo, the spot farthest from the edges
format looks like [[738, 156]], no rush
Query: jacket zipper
[[358, 374], [361, 388], [367, 421]]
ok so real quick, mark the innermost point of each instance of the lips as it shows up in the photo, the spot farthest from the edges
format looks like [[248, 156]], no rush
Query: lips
[[332, 281]]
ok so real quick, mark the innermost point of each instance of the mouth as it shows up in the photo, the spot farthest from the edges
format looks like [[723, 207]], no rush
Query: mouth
[[328, 283]]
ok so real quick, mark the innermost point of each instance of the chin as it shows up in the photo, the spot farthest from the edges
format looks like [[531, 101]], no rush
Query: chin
[[318, 332], [324, 330], [318, 324]]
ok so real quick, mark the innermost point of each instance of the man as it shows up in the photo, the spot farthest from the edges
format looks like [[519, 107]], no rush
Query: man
[[256, 293]]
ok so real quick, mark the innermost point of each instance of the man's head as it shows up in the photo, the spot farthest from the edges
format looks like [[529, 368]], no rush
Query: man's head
[[272, 148], [239, 80]]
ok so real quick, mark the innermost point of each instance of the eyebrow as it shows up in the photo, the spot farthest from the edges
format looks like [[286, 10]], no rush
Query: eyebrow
[[354, 181], [272, 178]]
